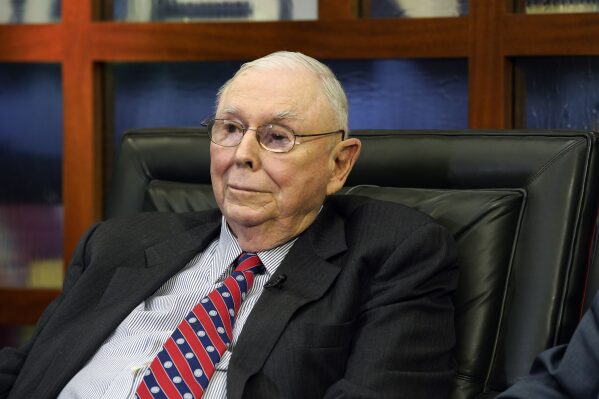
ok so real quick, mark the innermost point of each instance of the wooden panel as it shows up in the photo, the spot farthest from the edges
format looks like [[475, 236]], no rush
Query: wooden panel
[[24, 306], [337, 9], [82, 166], [489, 72], [361, 39], [566, 34], [82, 163], [79, 11], [26, 43]]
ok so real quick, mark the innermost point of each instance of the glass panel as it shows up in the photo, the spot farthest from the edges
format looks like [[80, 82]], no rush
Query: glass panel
[[29, 11], [558, 92], [383, 94], [166, 94], [414, 8], [31, 211], [228, 10], [405, 94], [559, 6]]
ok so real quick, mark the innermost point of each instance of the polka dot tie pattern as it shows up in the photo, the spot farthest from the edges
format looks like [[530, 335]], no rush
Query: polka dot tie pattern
[[184, 365]]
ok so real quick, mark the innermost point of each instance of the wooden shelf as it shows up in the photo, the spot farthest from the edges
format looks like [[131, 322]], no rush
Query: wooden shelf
[[354, 39], [551, 35], [31, 43], [522, 35]]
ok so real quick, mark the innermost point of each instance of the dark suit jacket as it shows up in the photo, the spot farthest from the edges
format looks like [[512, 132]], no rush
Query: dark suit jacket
[[567, 371], [365, 310]]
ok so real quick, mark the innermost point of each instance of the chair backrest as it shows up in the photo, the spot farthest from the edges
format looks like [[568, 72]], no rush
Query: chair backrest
[[521, 204]]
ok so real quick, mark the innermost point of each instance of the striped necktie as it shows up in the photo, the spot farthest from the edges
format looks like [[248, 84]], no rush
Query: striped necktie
[[185, 364]]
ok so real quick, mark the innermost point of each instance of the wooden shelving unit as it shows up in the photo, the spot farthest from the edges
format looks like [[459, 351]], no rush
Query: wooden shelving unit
[[489, 37]]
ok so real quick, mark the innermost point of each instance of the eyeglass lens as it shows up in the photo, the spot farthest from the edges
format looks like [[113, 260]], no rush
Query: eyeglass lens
[[272, 137]]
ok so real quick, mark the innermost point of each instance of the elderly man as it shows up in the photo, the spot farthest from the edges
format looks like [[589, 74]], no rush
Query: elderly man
[[284, 292]]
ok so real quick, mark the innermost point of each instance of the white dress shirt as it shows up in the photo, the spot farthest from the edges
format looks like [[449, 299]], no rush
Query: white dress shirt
[[118, 366]]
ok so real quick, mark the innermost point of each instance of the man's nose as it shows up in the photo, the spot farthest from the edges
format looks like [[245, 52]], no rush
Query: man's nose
[[247, 153]]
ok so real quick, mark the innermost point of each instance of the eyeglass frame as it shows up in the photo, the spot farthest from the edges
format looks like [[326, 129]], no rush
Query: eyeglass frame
[[210, 121]]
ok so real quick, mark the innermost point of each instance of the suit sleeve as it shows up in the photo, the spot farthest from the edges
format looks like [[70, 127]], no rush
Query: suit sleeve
[[12, 359], [404, 344], [566, 371]]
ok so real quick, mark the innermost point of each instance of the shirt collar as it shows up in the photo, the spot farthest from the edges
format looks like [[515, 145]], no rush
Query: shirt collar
[[228, 250]]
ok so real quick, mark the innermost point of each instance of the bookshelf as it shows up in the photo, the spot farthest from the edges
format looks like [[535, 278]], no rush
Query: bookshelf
[[489, 37]]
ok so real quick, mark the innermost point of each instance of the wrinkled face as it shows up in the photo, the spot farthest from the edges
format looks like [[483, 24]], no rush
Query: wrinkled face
[[255, 187]]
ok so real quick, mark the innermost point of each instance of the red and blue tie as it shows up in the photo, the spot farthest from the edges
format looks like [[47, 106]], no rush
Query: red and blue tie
[[185, 364]]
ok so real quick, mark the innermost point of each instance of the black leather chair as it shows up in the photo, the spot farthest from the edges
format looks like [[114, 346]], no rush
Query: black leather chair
[[522, 206]]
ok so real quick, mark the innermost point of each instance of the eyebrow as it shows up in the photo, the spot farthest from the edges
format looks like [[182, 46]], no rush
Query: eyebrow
[[288, 114], [230, 111]]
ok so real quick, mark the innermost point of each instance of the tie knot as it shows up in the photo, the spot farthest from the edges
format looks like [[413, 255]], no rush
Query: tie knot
[[249, 261]]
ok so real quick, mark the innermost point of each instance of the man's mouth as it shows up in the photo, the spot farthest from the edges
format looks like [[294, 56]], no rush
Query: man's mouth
[[240, 187]]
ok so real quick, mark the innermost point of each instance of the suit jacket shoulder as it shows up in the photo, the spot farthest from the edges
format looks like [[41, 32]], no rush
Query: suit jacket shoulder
[[346, 205], [376, 227], [566, 371], [148, 228]]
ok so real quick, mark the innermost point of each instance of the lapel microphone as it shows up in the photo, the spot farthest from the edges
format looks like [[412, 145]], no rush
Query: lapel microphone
[[277, 281]]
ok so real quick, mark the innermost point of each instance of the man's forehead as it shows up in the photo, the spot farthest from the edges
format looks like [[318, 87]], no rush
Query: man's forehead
[[272, 95], [281, 82]]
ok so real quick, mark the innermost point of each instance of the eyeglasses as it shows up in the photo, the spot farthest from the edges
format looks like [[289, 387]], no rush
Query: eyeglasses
[[272, 137]]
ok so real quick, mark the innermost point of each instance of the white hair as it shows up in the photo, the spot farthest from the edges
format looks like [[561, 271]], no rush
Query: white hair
[[331, 87]]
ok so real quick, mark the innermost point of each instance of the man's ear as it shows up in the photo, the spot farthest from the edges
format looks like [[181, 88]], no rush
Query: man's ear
[[343, 157]]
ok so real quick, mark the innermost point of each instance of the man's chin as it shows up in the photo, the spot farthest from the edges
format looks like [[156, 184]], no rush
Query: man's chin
[[246, 216]]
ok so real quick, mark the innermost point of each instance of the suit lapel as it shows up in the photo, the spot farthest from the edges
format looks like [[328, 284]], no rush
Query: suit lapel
[[128, 287], [309, 275]]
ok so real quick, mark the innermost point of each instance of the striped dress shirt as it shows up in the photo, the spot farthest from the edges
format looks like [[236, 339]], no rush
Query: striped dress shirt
[[118, 366]]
